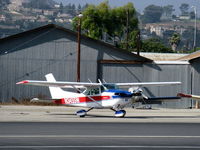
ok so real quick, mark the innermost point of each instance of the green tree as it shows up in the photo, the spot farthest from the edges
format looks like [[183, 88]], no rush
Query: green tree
[[154, 45], [41, 4], [61, 9], [3, 4], [152, 14], [188, 38], [102, 19], [70, 9], [79, 8], [168, 10], [192, 15], [174, 41], [85, 6], [184, 9]]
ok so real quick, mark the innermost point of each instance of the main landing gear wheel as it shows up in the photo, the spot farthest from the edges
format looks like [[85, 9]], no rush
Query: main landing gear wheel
[[120, 113], [81, 113]]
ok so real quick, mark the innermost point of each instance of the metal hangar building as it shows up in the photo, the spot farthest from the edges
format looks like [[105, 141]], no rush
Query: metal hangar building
[[53, 49]]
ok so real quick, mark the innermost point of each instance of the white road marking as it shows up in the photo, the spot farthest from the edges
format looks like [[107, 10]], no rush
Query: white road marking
[[114, 146], [93, 136]]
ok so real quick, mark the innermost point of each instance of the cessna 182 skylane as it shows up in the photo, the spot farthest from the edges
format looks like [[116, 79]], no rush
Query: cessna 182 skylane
[[98, 95]]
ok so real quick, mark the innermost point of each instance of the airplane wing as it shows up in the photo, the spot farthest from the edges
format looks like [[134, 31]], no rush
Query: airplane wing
[[86, 84], [51, 82], [48, 101], [146, 84], [196, 97], [60, 84]]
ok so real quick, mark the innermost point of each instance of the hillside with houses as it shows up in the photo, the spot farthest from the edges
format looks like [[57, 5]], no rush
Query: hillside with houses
[[21, 15]]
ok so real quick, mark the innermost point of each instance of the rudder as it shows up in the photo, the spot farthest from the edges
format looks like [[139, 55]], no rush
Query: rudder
[[56, 92]]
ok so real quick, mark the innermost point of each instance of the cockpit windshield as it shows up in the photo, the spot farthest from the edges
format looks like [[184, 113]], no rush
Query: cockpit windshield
[[110, 86], [98, 90]]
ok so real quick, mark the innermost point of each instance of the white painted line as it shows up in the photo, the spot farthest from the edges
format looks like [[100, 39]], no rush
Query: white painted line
[[92, 136], [114, 146]]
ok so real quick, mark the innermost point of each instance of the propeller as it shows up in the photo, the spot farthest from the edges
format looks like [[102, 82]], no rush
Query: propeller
[[137, 91]]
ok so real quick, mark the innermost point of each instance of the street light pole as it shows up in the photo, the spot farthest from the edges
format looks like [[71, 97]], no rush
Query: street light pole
[[195, 27], [79, 47]]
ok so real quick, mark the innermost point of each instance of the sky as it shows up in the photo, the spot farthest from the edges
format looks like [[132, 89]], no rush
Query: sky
[[139, 4]]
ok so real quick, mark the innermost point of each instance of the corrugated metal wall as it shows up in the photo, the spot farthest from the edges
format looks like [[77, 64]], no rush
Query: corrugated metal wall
[[48, 50], [153, 73], [195, 73], [53, 50]]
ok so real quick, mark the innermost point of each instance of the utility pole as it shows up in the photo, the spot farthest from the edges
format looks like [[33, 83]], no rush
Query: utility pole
[[195, 27], [138, 43], [79, 47], [127, 28]]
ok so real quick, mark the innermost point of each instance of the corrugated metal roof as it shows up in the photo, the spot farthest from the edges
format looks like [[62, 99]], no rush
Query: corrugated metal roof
[[190, 57], [162, 56], [171, 62], [143, 59]]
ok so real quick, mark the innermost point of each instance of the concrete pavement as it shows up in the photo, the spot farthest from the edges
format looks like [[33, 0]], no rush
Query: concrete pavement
[[20, 113]]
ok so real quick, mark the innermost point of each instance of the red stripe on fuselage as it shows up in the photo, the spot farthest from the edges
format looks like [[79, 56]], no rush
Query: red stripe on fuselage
[[76, 100], [96, 98]]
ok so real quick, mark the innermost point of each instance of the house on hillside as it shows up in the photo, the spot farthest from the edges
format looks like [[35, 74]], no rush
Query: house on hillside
[[160, 28]]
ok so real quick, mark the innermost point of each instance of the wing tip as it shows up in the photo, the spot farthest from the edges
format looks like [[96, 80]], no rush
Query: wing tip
[[23, 82]]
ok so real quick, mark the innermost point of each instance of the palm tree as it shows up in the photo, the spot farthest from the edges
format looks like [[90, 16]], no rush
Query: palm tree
[[174, 41]]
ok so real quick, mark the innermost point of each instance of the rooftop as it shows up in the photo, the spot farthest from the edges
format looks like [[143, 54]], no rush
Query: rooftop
[[162, 56], [191, 56]]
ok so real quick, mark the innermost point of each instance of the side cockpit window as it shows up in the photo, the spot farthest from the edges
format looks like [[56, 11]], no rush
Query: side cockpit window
[[94, 91]]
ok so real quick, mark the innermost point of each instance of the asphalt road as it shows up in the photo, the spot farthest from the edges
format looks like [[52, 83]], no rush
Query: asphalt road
[[96, 135]]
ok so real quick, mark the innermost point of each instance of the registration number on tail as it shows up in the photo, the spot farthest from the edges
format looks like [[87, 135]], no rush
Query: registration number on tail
[[71, 100]]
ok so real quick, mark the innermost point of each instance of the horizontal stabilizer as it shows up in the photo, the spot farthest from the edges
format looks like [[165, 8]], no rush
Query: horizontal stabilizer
[[196, 97], [164, 98], [146, 84], [44, 100], [159, 100]]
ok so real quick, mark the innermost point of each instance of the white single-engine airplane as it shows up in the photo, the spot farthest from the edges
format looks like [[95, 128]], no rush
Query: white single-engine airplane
[[98, 95]]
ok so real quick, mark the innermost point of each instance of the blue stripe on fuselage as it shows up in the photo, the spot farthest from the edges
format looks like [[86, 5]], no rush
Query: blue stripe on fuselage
[[120, 93]]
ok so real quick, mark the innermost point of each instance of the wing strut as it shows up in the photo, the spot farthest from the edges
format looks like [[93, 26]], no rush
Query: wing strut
[[87, 96]]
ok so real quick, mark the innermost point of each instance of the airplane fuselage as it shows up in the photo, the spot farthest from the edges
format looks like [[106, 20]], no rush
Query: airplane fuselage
[[107, 99]]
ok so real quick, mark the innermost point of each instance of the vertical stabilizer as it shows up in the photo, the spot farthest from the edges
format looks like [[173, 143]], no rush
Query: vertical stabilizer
[[50, 77], [56, 92]]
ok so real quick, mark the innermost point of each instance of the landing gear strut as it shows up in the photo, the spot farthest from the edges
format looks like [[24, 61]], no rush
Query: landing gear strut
[[82, 112]]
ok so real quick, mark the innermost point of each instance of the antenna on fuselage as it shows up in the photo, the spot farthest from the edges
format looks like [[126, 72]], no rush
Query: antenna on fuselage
[[104, 81], [105, 88], [89, 80]]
